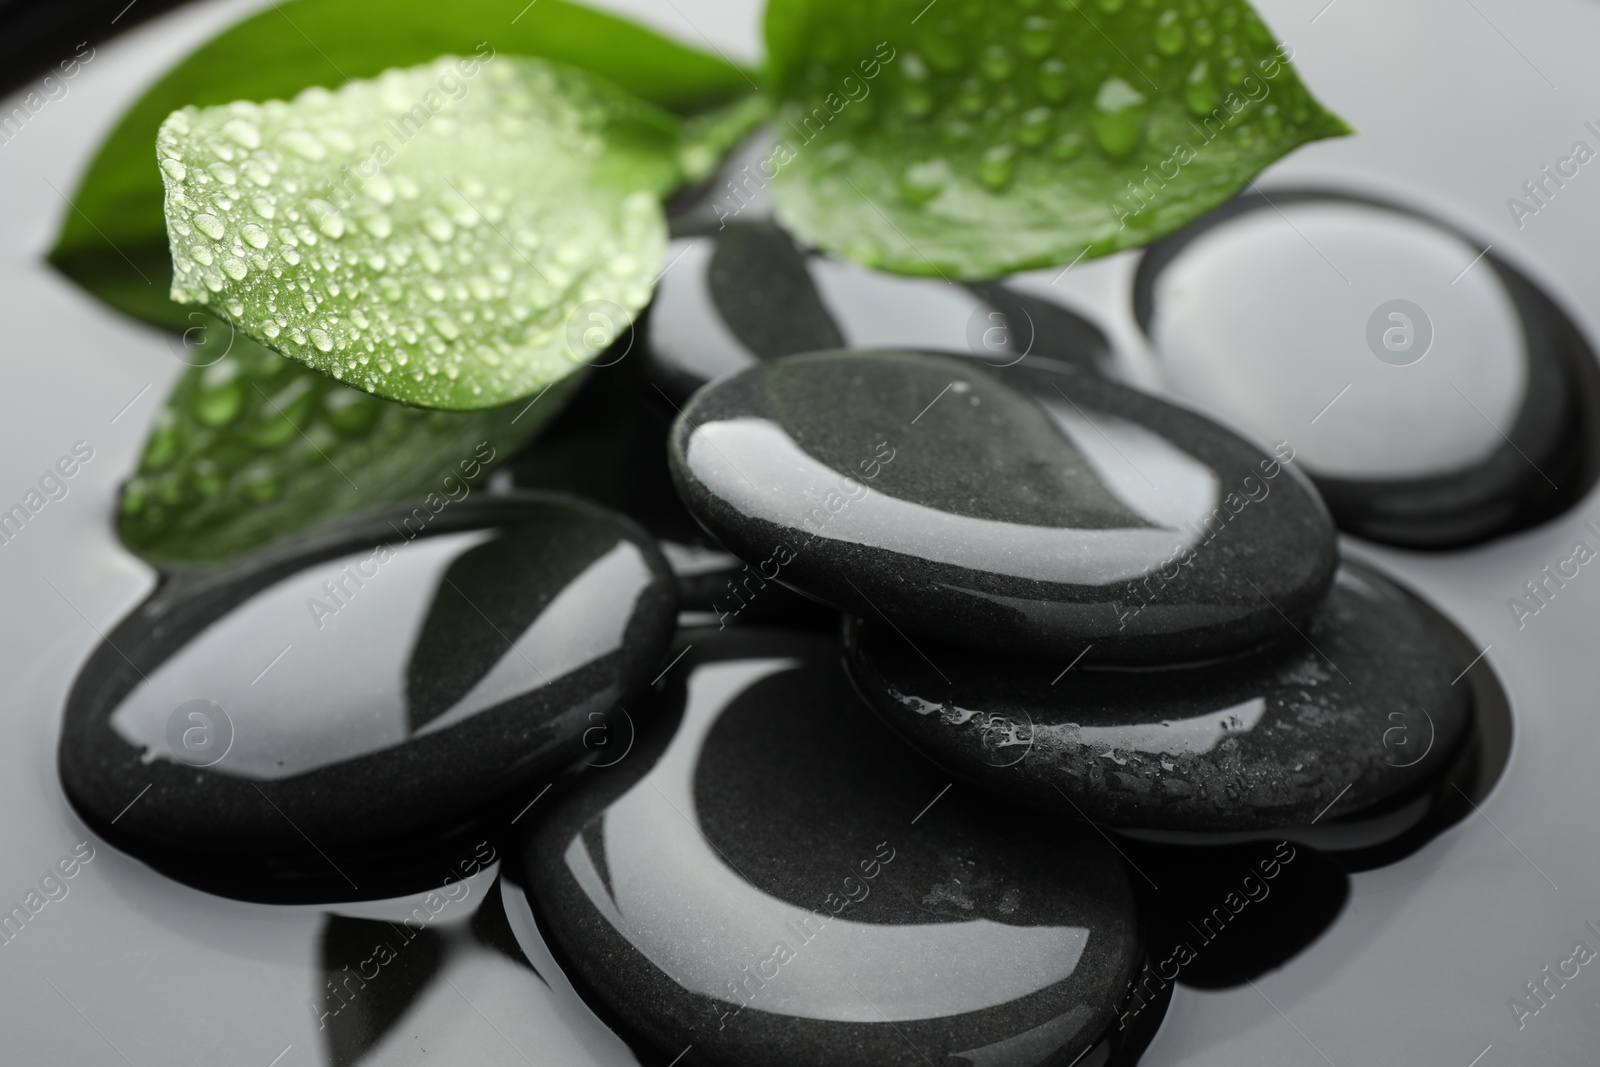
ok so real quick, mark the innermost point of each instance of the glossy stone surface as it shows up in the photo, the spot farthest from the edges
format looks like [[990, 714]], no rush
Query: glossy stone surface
[[1359, 711], [610, 445], [922, 490], [1432, 402], [775, 880], [748, 293], [317, 726]]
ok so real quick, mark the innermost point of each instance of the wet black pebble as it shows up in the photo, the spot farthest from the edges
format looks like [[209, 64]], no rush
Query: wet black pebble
[[775, 880], [319, 727], [924, 491], [1358, 711]]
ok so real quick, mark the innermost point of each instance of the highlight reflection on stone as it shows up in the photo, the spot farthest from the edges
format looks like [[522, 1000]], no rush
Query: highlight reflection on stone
[[777, 881]]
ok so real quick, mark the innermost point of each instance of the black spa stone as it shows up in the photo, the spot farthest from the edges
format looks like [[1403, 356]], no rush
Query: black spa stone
[[1437, 396], [773, 880], [322, 726], [747, 293], [609, 445], [924, 491], [1358, 712]]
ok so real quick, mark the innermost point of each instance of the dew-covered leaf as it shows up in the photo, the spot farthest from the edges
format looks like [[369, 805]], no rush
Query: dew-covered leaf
[[252, 448], [971, 138], [450, 236], [113, 240]]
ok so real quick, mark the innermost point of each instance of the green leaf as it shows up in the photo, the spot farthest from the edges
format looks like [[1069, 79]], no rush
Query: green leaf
[[971, 138], [114, 241], [455, 236], [136, 279], [709, 137], [252, 448]]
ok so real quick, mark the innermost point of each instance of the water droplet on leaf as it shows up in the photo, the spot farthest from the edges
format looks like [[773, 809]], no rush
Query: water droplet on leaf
[[942, 47], [1068, 146], [242, 133], [997, 62], [303, 144], [921, 182], [1169, 33], [1118, 117], [1038, 35], [998, 166], [210, 225], [1198, 92], [1035, 127], [1053, 82]]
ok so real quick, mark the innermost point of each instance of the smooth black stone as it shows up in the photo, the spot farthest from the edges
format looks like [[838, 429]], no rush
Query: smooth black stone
[[610, 445], [773, 880], [923, 490], [1358, 713], [1545, 461], [367, 704], [1391, 831], [748, 293]]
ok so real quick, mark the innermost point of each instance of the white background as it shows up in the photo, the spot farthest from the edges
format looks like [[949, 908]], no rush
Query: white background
[[1457, 101]]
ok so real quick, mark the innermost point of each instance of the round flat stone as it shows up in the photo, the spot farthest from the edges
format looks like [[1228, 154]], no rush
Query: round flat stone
[[771, 879], [1358, 712], [747, 293], [1424, 388], [925, 491], [372, 695]]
